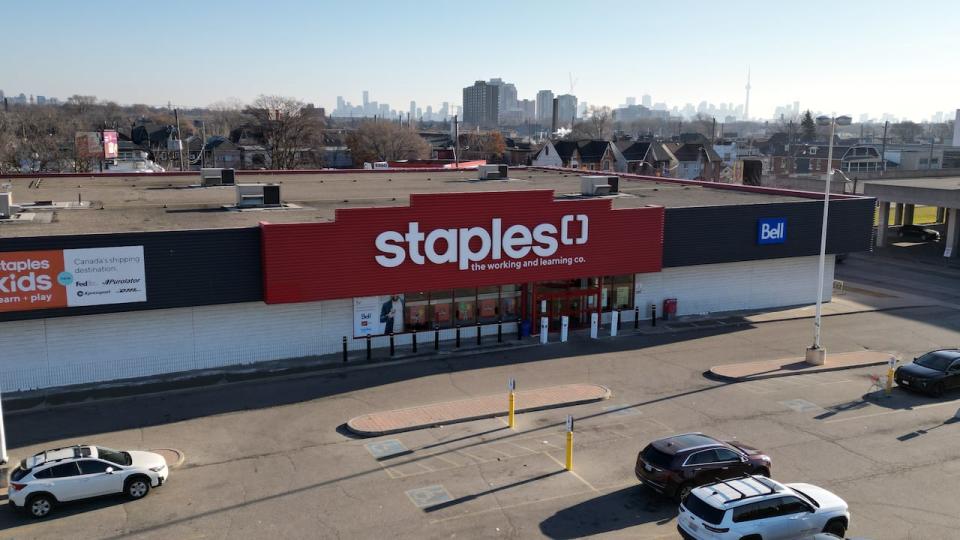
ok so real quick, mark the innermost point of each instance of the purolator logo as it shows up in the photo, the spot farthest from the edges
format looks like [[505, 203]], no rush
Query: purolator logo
[[467, 245]]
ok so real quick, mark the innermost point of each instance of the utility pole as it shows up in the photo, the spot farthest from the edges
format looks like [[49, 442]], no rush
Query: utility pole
[[176, 118], [883, 151], [456, 142], [4, 458]]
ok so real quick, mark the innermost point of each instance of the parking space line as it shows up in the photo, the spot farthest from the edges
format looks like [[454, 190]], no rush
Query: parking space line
[[509, 506], [573, 473], [473, 457], [448, 460], [502, 452], [883, 413]]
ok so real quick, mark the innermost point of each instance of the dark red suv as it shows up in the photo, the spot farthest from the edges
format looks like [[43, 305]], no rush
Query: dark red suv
[[675, 465]]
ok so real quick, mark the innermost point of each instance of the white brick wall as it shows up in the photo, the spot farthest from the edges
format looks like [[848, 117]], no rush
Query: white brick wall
[[73, 350]]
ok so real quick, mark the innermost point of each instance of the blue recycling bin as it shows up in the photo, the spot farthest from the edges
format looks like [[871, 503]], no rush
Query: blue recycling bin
[[525, 328]]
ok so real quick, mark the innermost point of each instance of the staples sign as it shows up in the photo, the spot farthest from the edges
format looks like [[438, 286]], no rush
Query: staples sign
[[451, 240], [468, 246], [71, 277]]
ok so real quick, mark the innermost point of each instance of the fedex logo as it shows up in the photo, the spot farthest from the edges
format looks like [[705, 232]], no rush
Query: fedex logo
[[771, 231], [473, 244]]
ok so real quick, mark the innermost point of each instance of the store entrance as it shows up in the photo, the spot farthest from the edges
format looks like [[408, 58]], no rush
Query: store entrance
[[575, 304]]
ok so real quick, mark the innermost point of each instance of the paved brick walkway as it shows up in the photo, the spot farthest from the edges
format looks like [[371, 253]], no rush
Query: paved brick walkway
[[766, 369], [465, 410]]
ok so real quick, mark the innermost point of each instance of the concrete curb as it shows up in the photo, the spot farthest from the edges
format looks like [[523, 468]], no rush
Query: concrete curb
[[725, 378], [460, 420], [179, 456]]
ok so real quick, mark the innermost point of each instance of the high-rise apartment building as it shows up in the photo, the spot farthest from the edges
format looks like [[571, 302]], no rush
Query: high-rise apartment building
[[566, 110], [481, 104], [544, 107]]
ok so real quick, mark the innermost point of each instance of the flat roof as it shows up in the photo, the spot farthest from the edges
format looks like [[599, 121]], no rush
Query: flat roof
[[933, 191], [176, 202]]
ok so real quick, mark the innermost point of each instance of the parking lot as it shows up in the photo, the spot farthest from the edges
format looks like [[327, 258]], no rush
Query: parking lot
[[270, 458]]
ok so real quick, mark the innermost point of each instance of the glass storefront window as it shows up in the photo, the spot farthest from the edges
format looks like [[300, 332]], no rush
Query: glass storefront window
[[617, 292], [441, 304], [488, 303], [417, 316], [465, 301], [510, 302]]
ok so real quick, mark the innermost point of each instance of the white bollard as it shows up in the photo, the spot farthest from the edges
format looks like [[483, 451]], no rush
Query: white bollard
[[564, 327], [544, 328], [614, 322], [594, 325]]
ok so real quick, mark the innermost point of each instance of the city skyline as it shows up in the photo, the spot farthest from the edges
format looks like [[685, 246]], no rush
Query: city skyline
[[394, 64]]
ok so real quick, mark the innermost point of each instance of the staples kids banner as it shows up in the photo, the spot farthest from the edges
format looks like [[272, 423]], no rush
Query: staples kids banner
[[71, 277], [450, 240]]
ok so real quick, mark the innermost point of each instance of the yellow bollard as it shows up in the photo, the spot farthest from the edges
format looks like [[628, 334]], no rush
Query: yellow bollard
[[889, 387], [512, 414], [569, 450]]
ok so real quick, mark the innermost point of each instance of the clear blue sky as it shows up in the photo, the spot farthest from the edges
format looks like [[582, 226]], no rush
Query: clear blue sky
[[845, 57]]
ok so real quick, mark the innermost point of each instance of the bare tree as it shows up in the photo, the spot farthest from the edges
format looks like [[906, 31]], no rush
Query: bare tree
[[907, 131], [385, 141], [598, 125], [224, 116], [291, 131]]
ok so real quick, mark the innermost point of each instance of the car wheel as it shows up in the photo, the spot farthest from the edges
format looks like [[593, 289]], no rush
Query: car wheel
[[137, 487], [762, 471], [836, 527], [683, 491], [40, 506], [937, 390]]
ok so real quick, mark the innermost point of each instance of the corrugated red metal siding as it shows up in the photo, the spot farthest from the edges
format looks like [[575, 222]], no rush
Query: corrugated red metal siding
[[321, 261]]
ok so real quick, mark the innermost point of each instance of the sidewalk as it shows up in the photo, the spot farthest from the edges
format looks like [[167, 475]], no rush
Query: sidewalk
[[768, 369], [452, 412]]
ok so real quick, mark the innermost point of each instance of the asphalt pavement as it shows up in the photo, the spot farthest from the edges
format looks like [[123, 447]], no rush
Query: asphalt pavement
[[271, 458]]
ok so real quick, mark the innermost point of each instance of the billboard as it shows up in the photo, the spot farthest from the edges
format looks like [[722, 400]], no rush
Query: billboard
[[378, 315], [450, 240], [111, 148], [31, 280], [88, 145]]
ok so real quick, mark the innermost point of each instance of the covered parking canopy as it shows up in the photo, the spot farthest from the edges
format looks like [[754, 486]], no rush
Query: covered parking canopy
[[941, 192]]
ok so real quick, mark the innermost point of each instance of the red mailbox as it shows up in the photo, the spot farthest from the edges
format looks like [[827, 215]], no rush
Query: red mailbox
[[670, 308]]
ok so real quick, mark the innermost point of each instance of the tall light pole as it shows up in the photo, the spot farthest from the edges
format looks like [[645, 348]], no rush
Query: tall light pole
[[816, 354]]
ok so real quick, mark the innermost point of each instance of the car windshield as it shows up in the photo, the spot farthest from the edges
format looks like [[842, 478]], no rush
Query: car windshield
[[935, 360], [113, 456], [809, 499], [702, 510], [656, 458]]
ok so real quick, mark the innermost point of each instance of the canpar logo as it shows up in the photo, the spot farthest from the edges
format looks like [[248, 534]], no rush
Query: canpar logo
[[460, 246]]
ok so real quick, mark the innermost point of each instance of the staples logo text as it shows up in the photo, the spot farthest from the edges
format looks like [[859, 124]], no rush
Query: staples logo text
[[473, 244]]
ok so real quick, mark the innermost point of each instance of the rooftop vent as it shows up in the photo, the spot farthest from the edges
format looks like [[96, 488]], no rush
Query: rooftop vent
[[493, 172], [6, 204], [258, 195], [591, 186]]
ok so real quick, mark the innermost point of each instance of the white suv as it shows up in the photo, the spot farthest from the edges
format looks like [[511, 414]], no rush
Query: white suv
[[81, 472], [758, 508]]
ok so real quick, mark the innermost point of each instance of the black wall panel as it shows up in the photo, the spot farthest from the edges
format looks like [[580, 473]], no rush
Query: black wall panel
[[183, 268], [720, 234]]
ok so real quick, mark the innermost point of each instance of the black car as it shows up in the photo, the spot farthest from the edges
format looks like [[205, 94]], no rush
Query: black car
[[673, 466], [933, 373], [916, 231]]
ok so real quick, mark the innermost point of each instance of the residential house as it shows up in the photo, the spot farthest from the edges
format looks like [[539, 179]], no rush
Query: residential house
[[590, 155], [644, 157], [811, 159], [696, 161]]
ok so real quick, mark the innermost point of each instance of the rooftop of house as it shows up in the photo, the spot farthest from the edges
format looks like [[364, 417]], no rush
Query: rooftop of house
[[119, 203]]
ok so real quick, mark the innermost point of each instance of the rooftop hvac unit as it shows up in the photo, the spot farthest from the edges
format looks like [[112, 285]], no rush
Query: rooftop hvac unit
[[591, 186], [257, 195], [213, 176], [6, 204]]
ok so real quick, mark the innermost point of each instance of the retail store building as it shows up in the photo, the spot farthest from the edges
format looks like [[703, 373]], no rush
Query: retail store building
[[154, 274]]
